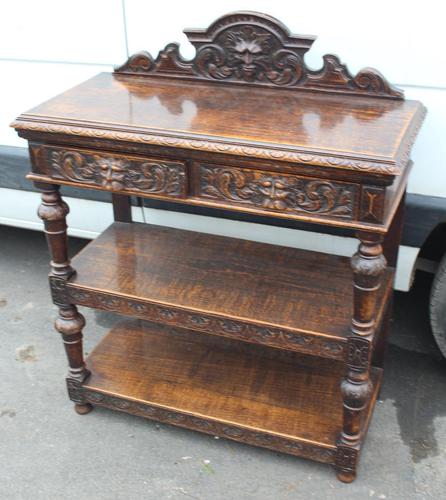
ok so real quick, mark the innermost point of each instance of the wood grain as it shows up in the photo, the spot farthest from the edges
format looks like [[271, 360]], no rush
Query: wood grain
[[240, 280], [245, 126], [335, 131], [249, 387]]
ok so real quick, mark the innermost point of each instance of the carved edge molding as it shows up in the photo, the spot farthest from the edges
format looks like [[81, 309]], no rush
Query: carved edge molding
[[240, 330], [407, 143], [256, 49], [214, 428], [214, 146]]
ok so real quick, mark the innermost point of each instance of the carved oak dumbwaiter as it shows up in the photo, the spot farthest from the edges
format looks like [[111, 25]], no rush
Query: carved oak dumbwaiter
[[267, 345]]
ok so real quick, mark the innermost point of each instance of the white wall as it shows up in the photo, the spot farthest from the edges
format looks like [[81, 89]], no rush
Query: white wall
[[47, 46]]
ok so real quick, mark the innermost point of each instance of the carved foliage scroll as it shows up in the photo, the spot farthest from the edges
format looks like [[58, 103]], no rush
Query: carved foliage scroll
[[248, 54], [252, 48], [278, 192], [118, 173]]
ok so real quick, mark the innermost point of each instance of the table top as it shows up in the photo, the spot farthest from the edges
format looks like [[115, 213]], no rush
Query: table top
[[283, 124]]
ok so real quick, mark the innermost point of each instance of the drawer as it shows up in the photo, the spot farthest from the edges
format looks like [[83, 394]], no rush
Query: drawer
[[276, 192], [111, 171]]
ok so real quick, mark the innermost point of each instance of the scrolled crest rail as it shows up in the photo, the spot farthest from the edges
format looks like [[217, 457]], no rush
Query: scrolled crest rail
[[256, 49]]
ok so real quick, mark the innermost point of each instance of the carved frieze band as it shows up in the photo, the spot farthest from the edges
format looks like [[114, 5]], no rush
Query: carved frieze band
[[278, 192], [271, 336], [116, 172], [263, 439], [216, 146], [250, 48]]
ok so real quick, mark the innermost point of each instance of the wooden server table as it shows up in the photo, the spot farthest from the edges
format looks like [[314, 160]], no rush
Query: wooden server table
[[271, 346]]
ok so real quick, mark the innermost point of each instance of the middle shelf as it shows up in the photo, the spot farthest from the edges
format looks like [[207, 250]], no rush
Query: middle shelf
[[260, 293]]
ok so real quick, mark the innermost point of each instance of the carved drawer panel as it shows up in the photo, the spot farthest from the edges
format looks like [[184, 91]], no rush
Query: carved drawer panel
[[277, 192], [112, 172]]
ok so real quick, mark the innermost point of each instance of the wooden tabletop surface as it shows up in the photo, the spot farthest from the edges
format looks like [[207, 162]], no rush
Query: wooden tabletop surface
[[348, 126]]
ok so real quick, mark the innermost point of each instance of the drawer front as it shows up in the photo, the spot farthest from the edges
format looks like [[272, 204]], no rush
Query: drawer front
[[112, 172], [276, 192]]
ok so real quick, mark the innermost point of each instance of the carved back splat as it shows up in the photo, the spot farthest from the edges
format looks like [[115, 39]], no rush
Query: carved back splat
[[256, 49]]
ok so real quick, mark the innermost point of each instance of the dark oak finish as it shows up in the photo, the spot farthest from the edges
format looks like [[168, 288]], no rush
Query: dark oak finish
[[273, 191], [368, 265], [243, 126], [333, 131], [116, 173], [255, 49], [69, 324]]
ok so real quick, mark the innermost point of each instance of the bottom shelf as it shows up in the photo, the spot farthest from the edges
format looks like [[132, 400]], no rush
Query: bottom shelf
[[275, 399]]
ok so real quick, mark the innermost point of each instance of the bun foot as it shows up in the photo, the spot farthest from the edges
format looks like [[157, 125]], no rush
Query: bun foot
[[346, 477], [83, 409]]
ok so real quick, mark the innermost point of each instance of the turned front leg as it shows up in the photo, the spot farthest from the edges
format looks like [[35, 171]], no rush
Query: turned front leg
[[368, 265], [53, 211]]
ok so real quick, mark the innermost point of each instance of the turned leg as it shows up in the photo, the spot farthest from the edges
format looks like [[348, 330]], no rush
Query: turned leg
[[69, 324], [368, 265]]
